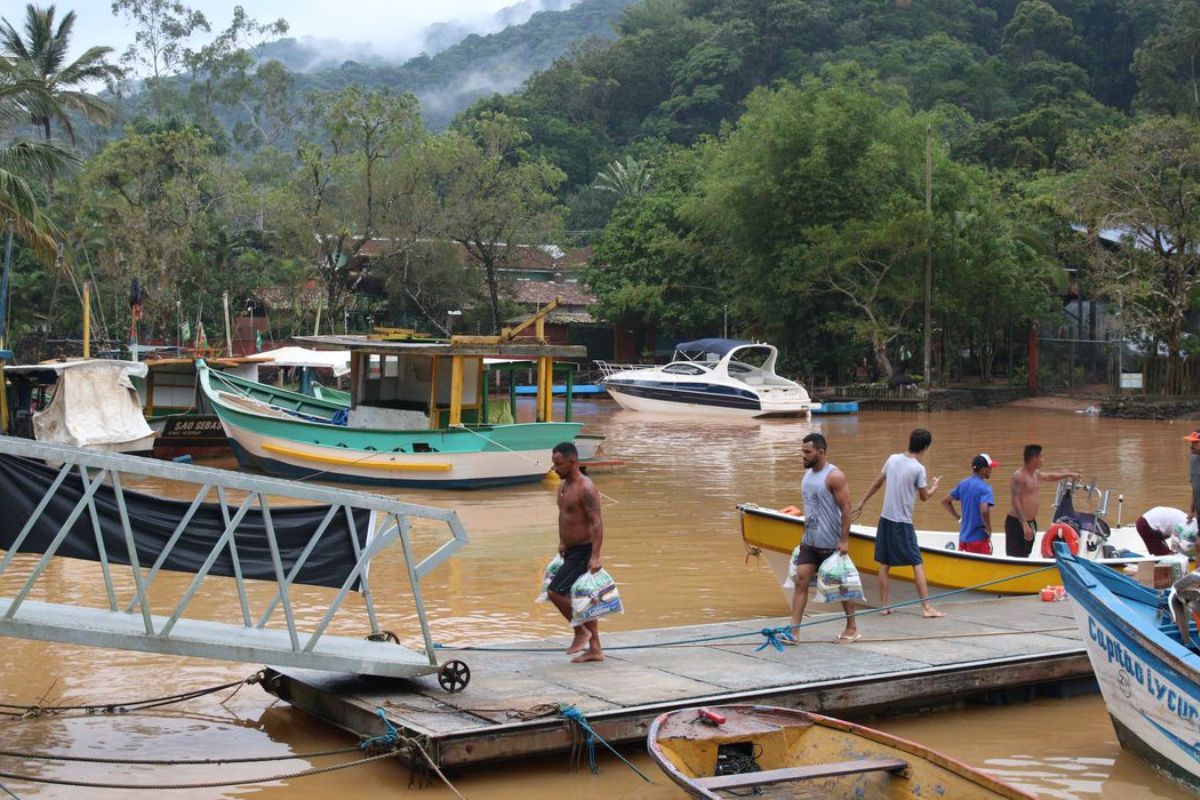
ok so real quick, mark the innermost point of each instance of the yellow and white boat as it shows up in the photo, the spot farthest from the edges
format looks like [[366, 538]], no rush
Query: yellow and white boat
[[774, 535], [781, 752]]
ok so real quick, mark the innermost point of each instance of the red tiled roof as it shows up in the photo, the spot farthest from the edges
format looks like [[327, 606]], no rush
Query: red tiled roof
[[541, 292]]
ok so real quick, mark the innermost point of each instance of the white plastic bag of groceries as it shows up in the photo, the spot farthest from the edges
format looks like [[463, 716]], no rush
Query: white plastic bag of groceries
[[838, 580], [793, 563], [547, 577], [594, 595], [1183, 538]]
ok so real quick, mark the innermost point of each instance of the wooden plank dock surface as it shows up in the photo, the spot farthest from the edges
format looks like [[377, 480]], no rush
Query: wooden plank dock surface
[[902, 661]]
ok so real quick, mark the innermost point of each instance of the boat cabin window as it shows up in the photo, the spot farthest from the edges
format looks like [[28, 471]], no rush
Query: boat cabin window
[[408, 382], [685, 369]]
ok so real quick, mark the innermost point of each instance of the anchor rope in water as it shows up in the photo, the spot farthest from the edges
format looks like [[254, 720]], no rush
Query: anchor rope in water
[[576, 717], [771, 635], [192, 786], [392, 738], [394, 743], [39, 710], [175, 762]]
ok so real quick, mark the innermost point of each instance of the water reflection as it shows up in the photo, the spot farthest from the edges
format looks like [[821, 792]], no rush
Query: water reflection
[[672, 542]]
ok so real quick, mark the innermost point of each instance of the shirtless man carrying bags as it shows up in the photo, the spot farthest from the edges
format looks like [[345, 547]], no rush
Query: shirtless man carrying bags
[[580, 535]]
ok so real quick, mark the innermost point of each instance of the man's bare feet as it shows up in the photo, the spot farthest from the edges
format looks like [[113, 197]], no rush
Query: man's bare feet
[[886, 611], [929, 612], [580, 642], [583, 658]]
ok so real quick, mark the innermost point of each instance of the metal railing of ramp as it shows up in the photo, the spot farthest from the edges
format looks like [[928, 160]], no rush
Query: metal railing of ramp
[[82, 477]]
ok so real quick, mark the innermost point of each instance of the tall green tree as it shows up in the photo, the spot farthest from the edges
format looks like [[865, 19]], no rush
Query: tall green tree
[[820, 192], [495, 200], [360, 180], [1143, 184], [40, 53], [652, 267]]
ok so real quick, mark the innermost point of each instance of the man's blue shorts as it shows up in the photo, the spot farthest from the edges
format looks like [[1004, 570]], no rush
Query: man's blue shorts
[[896, 544]]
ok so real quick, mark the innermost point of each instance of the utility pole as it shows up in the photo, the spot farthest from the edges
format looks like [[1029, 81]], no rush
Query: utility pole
[[928, 256]]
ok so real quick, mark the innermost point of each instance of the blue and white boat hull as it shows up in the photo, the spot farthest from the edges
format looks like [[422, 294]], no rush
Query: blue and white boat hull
[[1150, 682]]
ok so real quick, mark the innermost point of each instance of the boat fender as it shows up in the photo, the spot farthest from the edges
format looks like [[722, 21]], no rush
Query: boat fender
[[709, 717], [1056, 531]]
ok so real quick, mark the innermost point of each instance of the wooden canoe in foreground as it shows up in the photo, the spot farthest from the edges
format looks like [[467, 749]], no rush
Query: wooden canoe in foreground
[[798, 754]]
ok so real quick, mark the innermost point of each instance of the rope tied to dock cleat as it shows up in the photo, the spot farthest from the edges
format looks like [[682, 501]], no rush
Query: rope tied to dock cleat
[[386, 740], [773, 638], [581, 725]]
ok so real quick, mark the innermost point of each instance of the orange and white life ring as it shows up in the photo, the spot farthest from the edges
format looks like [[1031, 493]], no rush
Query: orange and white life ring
[[1056, 531]]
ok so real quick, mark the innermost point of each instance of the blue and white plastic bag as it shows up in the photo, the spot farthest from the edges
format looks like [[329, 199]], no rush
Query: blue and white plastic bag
[[594, 595], [793, 563], [548, 577], [838, 580]]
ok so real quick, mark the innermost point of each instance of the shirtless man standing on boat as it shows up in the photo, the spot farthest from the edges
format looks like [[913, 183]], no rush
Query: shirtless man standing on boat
[[580, 534], [1020, 526]]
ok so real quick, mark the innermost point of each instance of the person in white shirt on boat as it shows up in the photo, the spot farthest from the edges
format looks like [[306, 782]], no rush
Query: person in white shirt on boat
[[826, 530], [1157, 526], [895, 538]]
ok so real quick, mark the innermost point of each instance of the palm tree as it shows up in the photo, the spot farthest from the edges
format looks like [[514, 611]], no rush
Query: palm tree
[[628, 180], [41, 56], [20, 161]]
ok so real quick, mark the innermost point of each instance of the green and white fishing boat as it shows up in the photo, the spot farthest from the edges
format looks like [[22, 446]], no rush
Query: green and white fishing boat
[[418, 416]]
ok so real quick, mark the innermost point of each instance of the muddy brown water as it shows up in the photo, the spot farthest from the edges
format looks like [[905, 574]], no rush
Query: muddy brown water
[[672, 542]]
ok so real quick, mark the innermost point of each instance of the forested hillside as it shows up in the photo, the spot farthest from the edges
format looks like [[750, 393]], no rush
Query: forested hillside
[[760, 159], [783, 144]]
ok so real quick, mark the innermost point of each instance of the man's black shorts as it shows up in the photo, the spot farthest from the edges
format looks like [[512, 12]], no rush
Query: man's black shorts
[[1015, 545], [812, 555], [575, 563]]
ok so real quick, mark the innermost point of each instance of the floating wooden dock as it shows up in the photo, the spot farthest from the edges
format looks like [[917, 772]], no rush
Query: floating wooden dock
[[994, 650]]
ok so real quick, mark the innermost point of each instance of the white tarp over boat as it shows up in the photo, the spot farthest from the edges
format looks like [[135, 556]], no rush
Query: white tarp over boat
[[337, 360], [95, 405]]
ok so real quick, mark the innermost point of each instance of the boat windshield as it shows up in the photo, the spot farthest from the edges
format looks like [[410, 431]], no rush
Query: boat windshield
[[687, 368], [750, 359]]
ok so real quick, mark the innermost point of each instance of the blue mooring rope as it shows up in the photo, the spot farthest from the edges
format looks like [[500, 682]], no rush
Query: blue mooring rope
[[573, 714], [388, 739], [773, 636]]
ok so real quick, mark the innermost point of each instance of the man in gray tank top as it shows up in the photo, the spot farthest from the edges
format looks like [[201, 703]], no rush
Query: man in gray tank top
[[826, 530]]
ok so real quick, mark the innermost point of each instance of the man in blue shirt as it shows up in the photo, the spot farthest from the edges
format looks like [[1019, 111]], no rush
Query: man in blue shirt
[[975, 495]]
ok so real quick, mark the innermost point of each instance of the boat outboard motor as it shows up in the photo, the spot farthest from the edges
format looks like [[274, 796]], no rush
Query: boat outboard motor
[[1091, 527]]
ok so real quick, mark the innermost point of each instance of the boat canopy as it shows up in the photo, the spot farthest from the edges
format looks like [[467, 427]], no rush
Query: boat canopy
[[336, 360], [717, 346]]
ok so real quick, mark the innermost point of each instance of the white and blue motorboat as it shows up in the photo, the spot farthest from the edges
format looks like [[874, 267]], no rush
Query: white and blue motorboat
[[723, 377], [1149, 679]]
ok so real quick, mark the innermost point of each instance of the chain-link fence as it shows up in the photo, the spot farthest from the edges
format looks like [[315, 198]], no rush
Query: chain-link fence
[[1068, 365]]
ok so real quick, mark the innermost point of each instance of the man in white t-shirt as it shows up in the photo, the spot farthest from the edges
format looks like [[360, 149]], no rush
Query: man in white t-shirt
[[1157, 526], [895, 538]]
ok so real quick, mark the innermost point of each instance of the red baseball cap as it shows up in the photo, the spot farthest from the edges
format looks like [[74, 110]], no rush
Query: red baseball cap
[[984, 460]]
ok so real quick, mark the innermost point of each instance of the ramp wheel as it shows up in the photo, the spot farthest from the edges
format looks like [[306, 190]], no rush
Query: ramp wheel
[[454, 676]]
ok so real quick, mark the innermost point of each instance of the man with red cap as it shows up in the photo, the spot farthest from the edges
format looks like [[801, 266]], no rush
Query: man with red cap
[[1194, 472], [975, 495]]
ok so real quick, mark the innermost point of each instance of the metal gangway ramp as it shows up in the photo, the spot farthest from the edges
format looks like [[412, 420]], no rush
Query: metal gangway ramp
[[84, 506]]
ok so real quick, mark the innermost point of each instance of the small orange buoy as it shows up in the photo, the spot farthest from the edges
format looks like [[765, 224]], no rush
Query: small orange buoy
[[1056, 531]]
